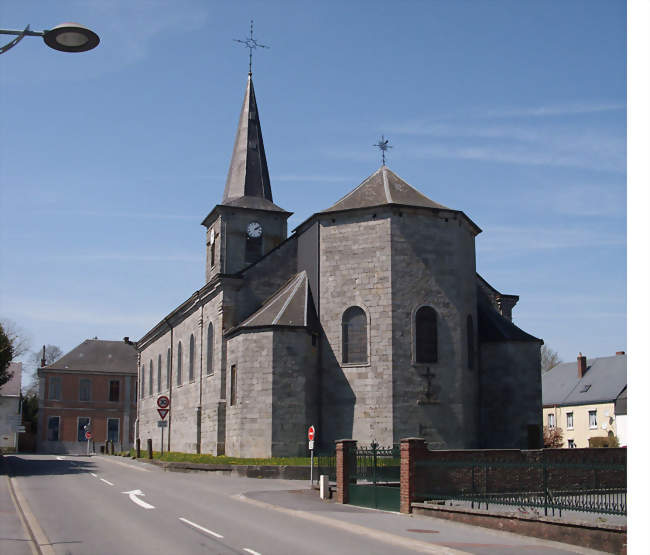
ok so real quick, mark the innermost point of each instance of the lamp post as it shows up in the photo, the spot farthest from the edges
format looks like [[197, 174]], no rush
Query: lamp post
[[66, 37]]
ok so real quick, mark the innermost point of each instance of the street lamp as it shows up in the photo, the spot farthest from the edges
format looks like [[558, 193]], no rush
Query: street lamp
[[66, 37]]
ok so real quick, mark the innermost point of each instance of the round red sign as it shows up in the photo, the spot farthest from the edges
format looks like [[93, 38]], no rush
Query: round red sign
[[89, 435], [163, 402], [311, 434]]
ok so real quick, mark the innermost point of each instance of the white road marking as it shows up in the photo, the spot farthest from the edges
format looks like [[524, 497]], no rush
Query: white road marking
[[107, 482], [133, 496], [60, 458], [93, 474], [251, 551], [133, 466], [203, 529]]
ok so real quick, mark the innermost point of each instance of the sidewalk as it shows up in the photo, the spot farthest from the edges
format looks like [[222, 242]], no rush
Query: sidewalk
[[412, 531], [14, 539]]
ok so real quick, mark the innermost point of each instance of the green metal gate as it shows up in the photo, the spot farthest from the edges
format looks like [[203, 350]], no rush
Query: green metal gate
[[375, 477]]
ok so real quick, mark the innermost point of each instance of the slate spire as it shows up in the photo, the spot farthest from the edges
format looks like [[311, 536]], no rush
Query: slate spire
[[248, 175]]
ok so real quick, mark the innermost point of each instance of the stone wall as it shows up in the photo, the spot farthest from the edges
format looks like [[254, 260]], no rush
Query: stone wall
[[433, 264]]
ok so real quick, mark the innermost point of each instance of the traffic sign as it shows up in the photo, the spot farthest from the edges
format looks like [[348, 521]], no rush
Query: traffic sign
[[20, 429], [163, 402], [162, 423], [163, 413], [311, 444], [311, 434], [89, 435]]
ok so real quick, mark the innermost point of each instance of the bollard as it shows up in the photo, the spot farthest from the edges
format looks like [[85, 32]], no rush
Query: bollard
[[112, 448], [324, 486], [137, 448], [149, 449], [106, 447]]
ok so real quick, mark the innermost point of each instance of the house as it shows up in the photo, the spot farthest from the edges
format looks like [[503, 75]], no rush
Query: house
[[587, 399], [91, 388], [10, 413], [369, 321]]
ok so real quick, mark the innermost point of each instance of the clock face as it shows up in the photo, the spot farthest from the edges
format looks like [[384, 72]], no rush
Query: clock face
[[254, 230]]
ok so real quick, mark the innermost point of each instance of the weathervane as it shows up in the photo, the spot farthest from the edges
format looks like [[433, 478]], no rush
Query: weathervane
[[251, 44], [382, 145]]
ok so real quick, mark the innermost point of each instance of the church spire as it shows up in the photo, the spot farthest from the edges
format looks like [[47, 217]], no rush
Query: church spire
[[248, 175]]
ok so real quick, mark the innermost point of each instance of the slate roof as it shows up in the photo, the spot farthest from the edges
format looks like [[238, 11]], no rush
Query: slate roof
[[606, 377], [383, 187], [12, 387], [97, 355], [287, 307], [492, 326]]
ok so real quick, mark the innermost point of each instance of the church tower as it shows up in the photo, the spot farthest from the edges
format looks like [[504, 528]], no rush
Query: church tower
[[246, 225]]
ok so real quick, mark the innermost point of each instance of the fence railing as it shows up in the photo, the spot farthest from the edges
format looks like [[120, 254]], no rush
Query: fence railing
[[597, 488], [376, 464]]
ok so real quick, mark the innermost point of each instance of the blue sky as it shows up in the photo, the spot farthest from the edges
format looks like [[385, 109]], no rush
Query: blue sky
[[514, 112]]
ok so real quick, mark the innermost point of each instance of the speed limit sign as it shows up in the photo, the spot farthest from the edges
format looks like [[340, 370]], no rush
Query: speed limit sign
[[163, 402]]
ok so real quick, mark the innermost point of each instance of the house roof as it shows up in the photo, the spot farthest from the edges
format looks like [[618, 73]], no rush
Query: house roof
[[604, 380], [383, 187], [12, 387], [97, 355]]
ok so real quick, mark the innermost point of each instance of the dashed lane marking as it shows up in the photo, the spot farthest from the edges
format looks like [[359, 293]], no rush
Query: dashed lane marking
[[251, 551], [199, 527], [60, 458], [107, 482], [93, 474]]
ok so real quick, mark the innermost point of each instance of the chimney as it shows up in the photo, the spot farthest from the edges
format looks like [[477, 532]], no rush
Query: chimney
[[620, 352], [43, 358], [582, 365]]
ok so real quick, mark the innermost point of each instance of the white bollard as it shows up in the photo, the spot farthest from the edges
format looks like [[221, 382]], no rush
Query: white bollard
[[324, 486]]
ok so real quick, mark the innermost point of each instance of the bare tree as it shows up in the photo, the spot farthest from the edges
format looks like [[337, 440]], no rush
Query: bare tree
[[52, 354], [553, 437], [18, 337], [550, 358]]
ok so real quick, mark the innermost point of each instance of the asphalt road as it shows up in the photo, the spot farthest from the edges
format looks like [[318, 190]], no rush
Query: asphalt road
[[96, 505]]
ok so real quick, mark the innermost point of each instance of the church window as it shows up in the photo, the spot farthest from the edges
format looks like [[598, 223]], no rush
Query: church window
[[212, 249], [253, 249], [159, 384], [470, 342], [190, 372], [150, 377], [168, 377], [179, 364], [426, 335], [233, 384], [354, 336], [210, 353]]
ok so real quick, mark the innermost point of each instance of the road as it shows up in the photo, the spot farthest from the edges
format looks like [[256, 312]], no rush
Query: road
[[96, 505]]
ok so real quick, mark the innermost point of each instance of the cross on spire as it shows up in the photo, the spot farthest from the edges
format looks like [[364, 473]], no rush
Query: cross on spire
[[382, 145], [251, 44]]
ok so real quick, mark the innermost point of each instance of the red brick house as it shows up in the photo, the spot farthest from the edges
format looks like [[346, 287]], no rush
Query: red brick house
[[90, 388]]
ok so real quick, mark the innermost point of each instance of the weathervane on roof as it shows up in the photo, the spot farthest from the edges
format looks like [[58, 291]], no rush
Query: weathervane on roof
[[251, 44], [382, 145]]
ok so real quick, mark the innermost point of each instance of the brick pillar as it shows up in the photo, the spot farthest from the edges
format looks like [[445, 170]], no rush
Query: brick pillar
[[344, 465], [411, 449]]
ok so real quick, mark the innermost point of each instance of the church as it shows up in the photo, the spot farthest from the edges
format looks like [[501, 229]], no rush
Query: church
[[369, 321]]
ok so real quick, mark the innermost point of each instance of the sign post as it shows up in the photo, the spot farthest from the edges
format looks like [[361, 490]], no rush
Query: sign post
[[311, 436], [163, 409], [88, 437]]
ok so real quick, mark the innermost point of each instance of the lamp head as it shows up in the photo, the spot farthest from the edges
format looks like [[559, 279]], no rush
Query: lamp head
[[71, 37]]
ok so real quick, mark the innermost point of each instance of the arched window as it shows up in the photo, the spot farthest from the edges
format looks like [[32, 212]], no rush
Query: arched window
[[142, 382], [150, 377], [210, 353], [159, 372], [426, 335], [190, 372], [168, 377], [470, 342], [179, 364], [355, 336]]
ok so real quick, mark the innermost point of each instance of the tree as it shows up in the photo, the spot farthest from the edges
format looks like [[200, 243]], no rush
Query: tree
[[6, 356], [52, 354], [17, 337], [550, 358], [553, 437]]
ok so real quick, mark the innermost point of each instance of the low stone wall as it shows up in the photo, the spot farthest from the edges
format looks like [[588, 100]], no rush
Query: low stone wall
[[602, 537]]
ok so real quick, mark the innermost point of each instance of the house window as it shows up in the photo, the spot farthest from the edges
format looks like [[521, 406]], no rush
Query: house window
[[114, 391], [569, 420], [168, 379], [354, 336], [593, 423], [150, 377], [190, 372], [233, 384], [426, 335], [54, 392], [113, 429], [470, 342], [210, 353], [551, 420], [572, 444], [159, 373], [179, 364], [83, 425], [84, 389], [53, 423]]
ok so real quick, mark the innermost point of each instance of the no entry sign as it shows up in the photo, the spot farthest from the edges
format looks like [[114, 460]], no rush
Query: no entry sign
[[311, 433], [89, 435]]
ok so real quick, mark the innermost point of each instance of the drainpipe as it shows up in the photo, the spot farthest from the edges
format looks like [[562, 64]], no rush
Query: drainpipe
[[171, 382]]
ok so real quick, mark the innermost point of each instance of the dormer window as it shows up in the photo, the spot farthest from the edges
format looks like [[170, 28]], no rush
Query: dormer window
[[585, 388]]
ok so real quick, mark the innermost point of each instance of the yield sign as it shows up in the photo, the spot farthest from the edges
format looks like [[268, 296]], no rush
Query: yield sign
[[163, 413]]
